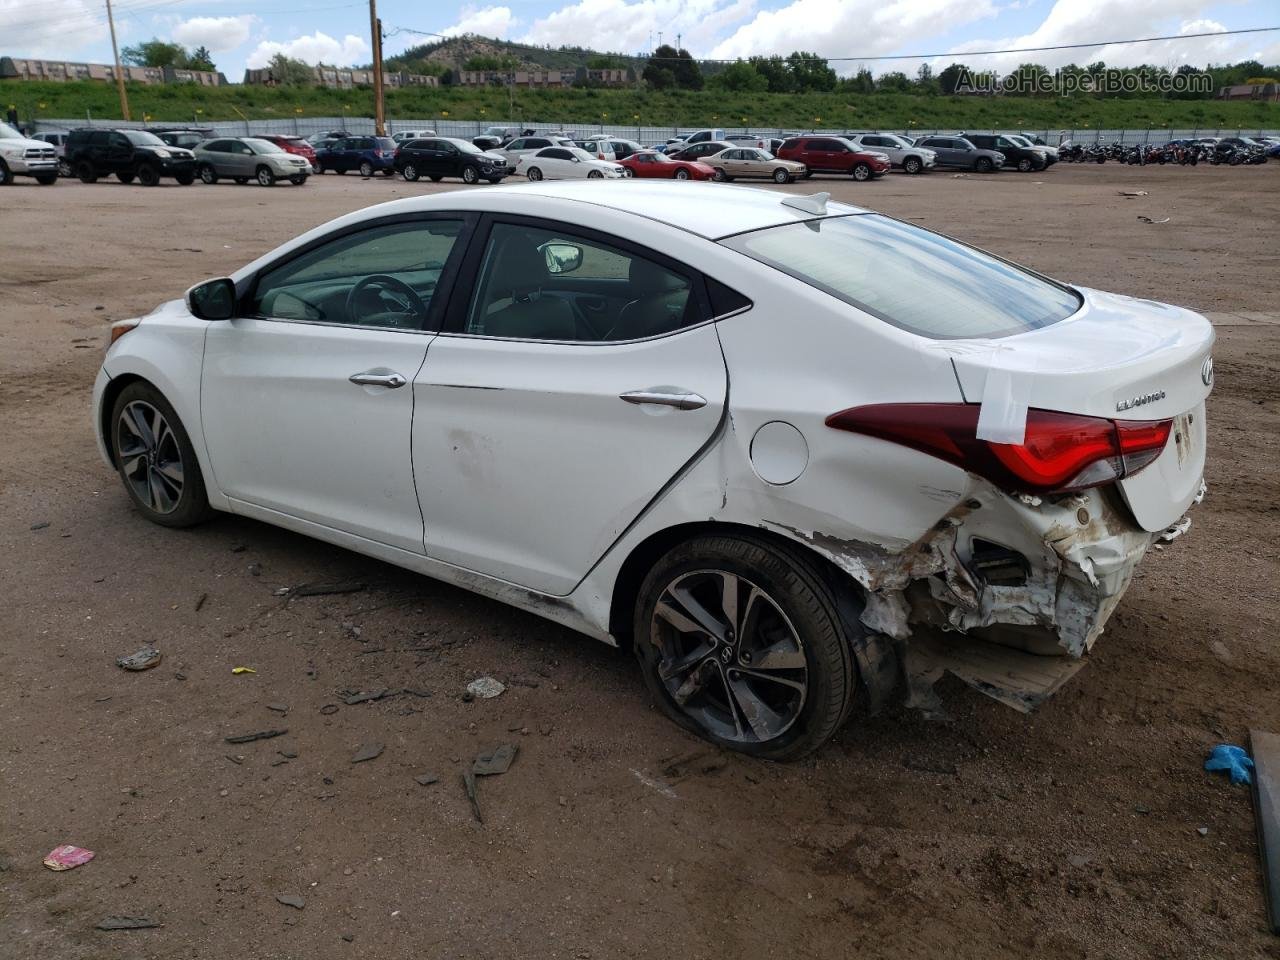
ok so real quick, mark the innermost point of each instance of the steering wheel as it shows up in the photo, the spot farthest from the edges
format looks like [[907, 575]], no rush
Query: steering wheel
[[412, 306]]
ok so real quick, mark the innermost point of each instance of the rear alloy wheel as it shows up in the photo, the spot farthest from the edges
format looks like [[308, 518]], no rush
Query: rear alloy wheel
[[64, 169], [720, 176], [265, 177], [983, 165], [125, 177], [208, 174], [410, 172], [862, 171], [148, 175], [86, 173], [781, 176], [682, 174], [155, 459], [469, 175], [366, 169], [594, 175], [740, 641], [912, 165], [534, 174]]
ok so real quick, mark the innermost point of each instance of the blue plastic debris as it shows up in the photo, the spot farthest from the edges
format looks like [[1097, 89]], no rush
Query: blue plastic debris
[[1232, 759]]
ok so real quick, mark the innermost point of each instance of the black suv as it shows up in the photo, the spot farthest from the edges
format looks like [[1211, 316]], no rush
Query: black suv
[[1023, 159], [129, 154], [441, 157]]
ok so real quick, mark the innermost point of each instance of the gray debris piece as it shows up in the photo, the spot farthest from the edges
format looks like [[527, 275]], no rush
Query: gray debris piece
[[426, 779], [364, 697], [144, 659], [115, 922], [498, 760], [260, 735], [469, 784], [367, 752], [291, 900], [278, 707], [485, 688]]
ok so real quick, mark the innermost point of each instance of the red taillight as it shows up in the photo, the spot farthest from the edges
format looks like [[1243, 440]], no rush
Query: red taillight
[[1060, 452], [377, 152]]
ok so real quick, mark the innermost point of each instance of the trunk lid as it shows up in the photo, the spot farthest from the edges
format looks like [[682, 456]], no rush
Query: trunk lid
[[1120, 358]]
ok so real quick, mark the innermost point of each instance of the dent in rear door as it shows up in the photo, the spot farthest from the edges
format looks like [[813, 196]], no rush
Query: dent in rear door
[[529, 465]]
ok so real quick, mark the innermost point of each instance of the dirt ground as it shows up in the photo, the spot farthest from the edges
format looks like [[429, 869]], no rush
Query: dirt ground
[[1074, 832]]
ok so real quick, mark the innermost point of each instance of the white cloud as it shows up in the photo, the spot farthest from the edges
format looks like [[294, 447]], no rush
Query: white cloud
[[316, 48], [624, 27], [486, 21], [858, 27], [217, 33], [51, 28]]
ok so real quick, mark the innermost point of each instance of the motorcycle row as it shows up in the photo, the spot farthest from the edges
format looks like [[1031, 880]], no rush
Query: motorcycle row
[[1185, 152]]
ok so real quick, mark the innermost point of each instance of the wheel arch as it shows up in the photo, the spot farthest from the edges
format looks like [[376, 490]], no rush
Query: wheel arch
[[115, 386], [875, 654]]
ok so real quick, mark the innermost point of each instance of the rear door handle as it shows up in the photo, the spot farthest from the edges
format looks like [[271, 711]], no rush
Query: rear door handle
[[378, 377], [666, 397]]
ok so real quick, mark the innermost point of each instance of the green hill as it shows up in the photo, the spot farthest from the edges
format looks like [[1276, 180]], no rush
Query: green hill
[[180, 102]]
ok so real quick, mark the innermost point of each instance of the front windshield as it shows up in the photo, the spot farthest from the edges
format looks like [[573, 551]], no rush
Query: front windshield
[[662, 158], [580, 153], [918, 281], [466, 146], [1021, 141], [8, 133], [142, 137], [263, 146]]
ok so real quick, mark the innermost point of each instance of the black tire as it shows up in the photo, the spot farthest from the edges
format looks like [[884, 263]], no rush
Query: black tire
[[339, 171], [298, 180], [799, 598], [720, 176], [628, 173], [595, 175], [241, 180], [45, 179], [410, 172], [64, 169], [191, 504], [984, 165], [366, 168], [388, 171], [85, 172], [436, 177], [185, 179], [912, 165], [265, 176], [470, 175], [1025, 165], [681, 174], [782, 176], [208, 174], [534, 174], [861, 171], [148, 175], [6, 175], [125, 177], [495, 180]]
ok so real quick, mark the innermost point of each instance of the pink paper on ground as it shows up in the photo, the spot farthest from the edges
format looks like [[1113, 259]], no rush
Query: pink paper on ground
[[66, 856]]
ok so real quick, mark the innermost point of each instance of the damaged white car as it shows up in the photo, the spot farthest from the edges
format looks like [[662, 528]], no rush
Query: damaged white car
[[794, 453]]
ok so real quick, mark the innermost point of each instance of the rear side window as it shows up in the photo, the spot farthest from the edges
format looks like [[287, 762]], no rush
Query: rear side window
[[789, 144], [915, 280]]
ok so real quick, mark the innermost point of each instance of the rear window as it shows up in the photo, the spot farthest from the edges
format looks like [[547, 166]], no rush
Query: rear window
[[915, 280]]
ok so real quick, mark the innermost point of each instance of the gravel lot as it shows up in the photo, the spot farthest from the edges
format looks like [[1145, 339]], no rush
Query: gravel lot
[[1070, 833]]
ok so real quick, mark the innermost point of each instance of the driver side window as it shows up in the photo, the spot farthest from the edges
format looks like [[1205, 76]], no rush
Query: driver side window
[[383, 276]]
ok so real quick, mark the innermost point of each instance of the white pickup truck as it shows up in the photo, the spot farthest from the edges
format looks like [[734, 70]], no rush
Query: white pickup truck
[[20, 157]]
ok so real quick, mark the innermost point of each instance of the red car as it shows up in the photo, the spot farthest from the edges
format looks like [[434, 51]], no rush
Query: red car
[[834, 155], [295, 145], [650, 163]]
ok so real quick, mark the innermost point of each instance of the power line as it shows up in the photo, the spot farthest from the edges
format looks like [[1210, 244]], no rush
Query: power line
[[905, 56]]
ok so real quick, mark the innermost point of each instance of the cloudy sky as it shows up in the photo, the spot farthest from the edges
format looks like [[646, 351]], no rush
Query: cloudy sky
[[244, 33]]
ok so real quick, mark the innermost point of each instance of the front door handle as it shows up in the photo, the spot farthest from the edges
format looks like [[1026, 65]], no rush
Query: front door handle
[[380, 377], [667, 397]]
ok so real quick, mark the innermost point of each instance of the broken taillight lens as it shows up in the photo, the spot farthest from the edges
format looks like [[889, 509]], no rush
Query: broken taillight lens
[[1060, 451]]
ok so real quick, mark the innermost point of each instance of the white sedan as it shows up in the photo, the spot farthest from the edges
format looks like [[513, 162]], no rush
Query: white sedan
[[788, 451], [567, 163]]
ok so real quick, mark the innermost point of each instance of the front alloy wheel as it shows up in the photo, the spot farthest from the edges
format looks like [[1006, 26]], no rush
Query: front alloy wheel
[[740, 642], [862, 171], [265, 177], [682, 174], [155, 458], [469, 175]]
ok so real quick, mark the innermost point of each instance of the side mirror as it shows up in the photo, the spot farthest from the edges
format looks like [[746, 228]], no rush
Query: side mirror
[[212, 300], [561, 257], [576, 159]]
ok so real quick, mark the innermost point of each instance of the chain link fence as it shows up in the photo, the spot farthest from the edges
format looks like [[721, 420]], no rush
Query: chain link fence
[[447, 127]]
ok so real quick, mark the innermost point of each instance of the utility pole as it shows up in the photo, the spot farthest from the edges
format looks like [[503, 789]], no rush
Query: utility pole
[[379, 110], [124, 97]]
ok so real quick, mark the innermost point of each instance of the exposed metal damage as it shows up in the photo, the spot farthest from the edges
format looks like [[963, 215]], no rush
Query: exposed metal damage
[[1016, 633]]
